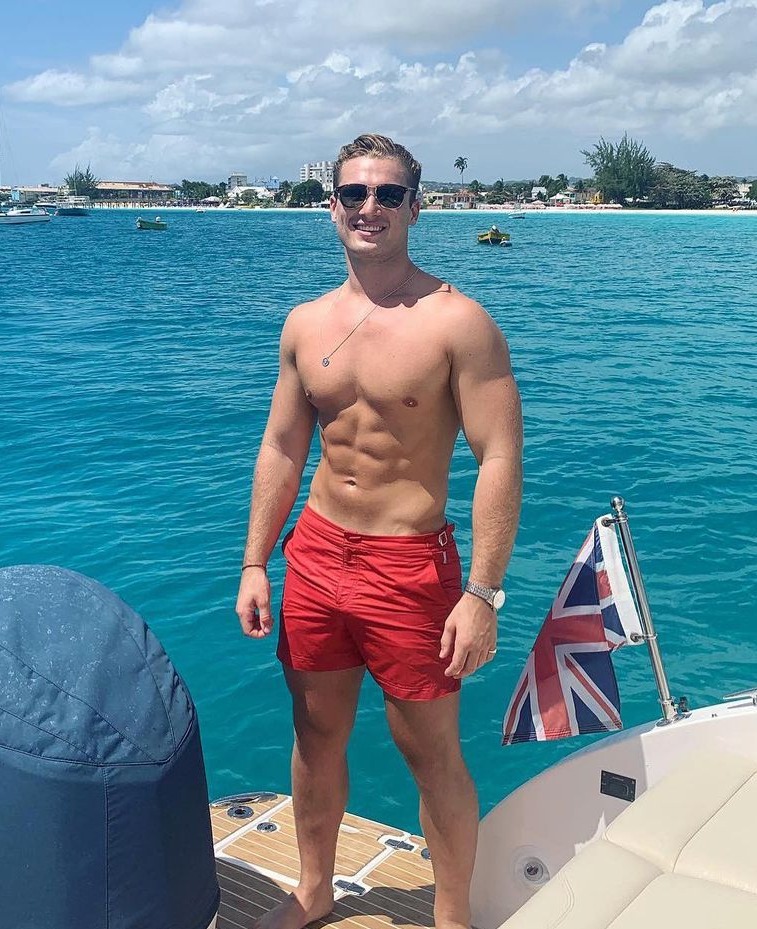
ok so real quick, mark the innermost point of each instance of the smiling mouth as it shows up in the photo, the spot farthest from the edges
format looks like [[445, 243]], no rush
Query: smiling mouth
[[370, 228]]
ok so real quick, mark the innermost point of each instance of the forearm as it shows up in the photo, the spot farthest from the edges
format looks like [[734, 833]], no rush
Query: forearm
[[496, 509], [275, 486]]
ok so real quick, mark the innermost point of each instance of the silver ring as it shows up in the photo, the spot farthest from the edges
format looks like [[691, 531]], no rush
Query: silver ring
[[492, 651]]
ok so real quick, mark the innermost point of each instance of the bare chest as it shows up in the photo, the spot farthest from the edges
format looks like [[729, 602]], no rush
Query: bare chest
[[391, 362]]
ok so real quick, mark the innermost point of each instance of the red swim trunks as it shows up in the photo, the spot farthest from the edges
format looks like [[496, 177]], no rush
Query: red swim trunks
[[352, 599]]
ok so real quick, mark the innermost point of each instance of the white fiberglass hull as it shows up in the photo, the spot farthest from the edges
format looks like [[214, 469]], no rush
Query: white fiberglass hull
[[24, 219], [538, 828]]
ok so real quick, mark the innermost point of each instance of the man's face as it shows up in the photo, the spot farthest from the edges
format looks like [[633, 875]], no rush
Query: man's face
[[371, 230]]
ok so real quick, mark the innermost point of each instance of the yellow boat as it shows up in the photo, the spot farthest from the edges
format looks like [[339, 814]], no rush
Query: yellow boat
[[493, 236]]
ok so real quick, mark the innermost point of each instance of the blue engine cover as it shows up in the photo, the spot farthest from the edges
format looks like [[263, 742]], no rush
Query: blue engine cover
[[104, 820]]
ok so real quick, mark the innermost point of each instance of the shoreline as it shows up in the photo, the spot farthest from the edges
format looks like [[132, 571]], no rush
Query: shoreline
[[495, 211]]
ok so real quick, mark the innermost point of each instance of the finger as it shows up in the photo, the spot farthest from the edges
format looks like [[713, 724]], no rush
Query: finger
[[265, 618], [448, 640], [248, 621], [458, 661], [471, 664]]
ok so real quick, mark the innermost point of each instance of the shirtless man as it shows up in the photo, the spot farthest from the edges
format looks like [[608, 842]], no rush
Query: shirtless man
[[390, 367]]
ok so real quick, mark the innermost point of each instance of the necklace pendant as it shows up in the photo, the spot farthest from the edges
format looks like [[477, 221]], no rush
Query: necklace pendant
[[325, 362]]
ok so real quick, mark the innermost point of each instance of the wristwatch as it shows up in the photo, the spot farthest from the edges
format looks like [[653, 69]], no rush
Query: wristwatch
[[494, 596]]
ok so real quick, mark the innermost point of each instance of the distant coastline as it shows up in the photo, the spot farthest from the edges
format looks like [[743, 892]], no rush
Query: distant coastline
[[489, 211]]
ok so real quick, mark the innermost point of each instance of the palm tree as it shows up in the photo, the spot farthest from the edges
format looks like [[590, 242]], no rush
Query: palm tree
[[461, 165], [285, 188]]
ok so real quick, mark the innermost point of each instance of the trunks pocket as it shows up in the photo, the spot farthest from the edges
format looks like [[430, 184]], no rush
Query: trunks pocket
[[449, 574]]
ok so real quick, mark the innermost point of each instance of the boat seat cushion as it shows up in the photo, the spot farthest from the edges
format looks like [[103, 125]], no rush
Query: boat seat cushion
[[680, 855]]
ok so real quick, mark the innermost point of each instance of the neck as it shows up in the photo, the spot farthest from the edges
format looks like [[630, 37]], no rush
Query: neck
[[373, 279]]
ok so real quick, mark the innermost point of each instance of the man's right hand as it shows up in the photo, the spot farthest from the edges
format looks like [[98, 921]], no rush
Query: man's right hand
[[254, 603]]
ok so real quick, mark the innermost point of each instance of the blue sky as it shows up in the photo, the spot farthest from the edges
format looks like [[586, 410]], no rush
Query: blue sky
[[201, 88]]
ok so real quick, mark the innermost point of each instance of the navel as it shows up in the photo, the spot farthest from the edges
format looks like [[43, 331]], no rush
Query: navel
[[410, 401]]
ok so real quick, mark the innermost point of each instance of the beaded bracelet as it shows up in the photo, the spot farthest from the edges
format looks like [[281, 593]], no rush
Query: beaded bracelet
[[254, 564]]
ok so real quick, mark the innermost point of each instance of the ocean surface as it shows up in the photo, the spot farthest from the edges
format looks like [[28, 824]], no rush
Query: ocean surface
[[135, 375]]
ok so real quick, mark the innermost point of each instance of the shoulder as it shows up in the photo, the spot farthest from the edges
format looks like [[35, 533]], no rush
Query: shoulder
[[465, 324], [302, 319]]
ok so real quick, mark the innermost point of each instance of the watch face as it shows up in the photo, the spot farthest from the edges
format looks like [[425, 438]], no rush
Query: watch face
[[499, 600]]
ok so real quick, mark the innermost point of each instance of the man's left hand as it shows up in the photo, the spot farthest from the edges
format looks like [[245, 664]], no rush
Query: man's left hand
[[470, 636]]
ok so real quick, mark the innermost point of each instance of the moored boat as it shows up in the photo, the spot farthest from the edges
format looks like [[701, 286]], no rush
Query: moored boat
[[72, 206], [21, 216], [494, 236], [156, 223]]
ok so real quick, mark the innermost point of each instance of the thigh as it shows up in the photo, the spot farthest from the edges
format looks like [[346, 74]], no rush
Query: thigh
[[324, 702], [425, 731]]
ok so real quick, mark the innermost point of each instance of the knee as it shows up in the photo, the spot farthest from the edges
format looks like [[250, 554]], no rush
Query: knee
[[321, 736], [432, 763]]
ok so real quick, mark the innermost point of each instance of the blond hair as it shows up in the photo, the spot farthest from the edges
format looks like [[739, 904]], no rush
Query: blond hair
[[371, 145]]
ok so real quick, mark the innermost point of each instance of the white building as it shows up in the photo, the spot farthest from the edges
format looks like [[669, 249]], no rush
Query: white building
[[237, 180], [322, 171]]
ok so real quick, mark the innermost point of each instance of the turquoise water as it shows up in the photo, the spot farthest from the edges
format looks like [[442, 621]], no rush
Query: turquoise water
[[135, 375]]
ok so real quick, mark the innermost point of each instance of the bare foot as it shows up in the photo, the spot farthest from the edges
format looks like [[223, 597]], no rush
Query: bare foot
[[299, 909]]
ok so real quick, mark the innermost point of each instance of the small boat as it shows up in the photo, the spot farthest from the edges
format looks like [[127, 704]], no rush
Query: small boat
[[19, 216], [156, 223], [493, 236], [73, 206], [516, 214]]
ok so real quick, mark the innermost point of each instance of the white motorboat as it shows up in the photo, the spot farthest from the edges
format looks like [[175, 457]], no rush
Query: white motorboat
[[73, 206], [18, 216], [648, 828]]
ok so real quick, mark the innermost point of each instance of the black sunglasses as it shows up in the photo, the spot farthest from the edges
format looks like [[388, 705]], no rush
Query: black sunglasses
[[389, 196]]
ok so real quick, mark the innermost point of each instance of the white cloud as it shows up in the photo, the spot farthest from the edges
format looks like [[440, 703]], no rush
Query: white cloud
[[253, 78], [66, 88]]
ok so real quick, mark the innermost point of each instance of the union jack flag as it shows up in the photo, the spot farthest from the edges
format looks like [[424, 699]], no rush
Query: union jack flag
[[568, 686]]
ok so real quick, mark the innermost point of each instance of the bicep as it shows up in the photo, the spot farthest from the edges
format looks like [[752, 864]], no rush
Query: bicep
[[486, 395], [292, 417]]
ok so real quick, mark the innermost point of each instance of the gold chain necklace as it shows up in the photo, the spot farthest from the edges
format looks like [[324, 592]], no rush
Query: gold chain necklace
[[326, 360]]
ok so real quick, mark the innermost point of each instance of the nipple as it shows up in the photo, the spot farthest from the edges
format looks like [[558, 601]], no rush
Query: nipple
[[410, 401], [309, 394]]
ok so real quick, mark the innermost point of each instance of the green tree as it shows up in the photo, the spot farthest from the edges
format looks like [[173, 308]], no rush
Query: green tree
[[282, 194], [752, 194], [679, 189], [461, 165], [197, 190], [622, 172], [723, 189], [250, 197], [310, 191], [82, 183]]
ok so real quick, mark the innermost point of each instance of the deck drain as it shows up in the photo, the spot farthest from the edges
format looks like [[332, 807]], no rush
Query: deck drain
[[399, 845], [425, 853], [267, 827], [351, 887], [239, 812]]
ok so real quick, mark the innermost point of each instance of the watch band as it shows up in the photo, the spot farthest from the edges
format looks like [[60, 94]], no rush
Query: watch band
[[494, 596]]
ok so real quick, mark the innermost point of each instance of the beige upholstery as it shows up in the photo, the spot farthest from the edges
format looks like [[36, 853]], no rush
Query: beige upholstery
[[683, 854]]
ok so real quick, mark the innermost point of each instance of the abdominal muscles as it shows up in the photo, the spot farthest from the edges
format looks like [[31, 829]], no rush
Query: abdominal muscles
[[385, 474]]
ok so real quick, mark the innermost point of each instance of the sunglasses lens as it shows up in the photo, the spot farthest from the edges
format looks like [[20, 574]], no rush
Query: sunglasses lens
[[390, 195], [352, 195]]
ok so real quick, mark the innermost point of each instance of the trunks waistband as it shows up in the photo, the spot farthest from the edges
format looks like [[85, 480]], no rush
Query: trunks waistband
[[433, 541]]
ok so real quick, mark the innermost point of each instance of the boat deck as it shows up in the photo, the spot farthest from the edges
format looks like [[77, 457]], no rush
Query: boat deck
[[383, 878]]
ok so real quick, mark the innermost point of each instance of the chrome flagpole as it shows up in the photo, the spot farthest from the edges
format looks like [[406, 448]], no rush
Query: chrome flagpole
[[620, 520]]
